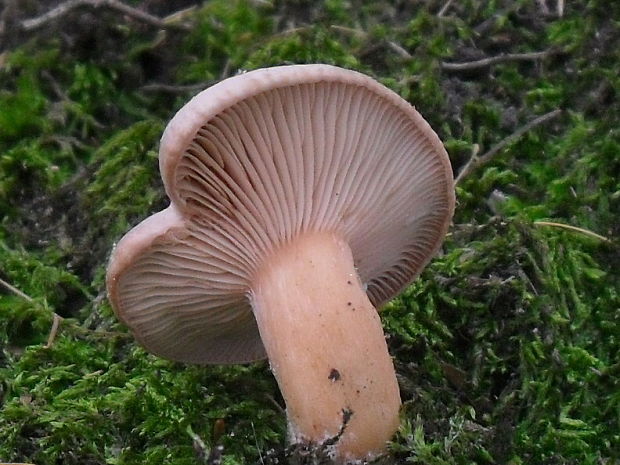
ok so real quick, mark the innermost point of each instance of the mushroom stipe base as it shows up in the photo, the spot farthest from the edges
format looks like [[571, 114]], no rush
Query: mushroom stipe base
[[326, 346]]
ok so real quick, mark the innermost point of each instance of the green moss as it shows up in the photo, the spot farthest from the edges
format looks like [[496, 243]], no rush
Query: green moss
[[224, 35], [308, 46], [505, 347], [541, 340], [84, 403], [124, 184]]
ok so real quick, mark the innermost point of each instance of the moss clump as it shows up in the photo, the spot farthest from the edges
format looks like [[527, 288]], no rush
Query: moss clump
[[506, 346], [497, 337]]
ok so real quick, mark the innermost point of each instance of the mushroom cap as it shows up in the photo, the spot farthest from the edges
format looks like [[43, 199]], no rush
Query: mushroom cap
[[256, 160]]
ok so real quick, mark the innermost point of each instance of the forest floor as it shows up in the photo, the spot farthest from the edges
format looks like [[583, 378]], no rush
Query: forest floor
[[506, 347]]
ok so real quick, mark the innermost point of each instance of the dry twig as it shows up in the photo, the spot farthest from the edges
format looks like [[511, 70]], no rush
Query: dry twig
[[26, 297], [175, 89], [260, 454], [399, 50], [15, 291], [275, 404], [444, 8], [363, 35], [53, 331], [586, 232], [489, 61], [560, 8], [476, 161], [15, 463], [58, 319], [68, 6], [180, 16]]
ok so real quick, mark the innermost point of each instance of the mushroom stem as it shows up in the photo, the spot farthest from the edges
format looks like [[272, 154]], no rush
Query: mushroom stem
[[326, 347]]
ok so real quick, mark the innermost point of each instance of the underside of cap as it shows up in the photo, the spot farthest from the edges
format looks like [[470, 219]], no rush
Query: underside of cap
[[264, 157], [182, 292]]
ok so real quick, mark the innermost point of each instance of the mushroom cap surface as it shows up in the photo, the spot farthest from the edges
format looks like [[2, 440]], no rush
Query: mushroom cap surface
[[256, 160]]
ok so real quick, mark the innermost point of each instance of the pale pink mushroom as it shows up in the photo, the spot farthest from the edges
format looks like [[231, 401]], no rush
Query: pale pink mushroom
[[302, 197]]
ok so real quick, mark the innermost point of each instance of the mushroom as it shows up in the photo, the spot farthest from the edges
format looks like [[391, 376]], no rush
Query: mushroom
[[301, 198]]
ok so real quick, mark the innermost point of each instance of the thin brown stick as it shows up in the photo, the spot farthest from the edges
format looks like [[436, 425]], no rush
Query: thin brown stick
[[468, 167], [586, 232], [490, 61], [70, 5], [58, 319], [399, 49], [444, 8], [363, 35], [560, 8], [292, 31], [26, 297], [260, 455], [476, 161], [225, 70], [275, 404], [53, 331], [349, 31], [15, 291], [56, 87], [180, 16], [175, 89]]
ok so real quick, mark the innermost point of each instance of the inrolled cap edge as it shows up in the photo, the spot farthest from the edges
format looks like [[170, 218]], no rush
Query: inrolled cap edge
[[153, 272], [135, 243]]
